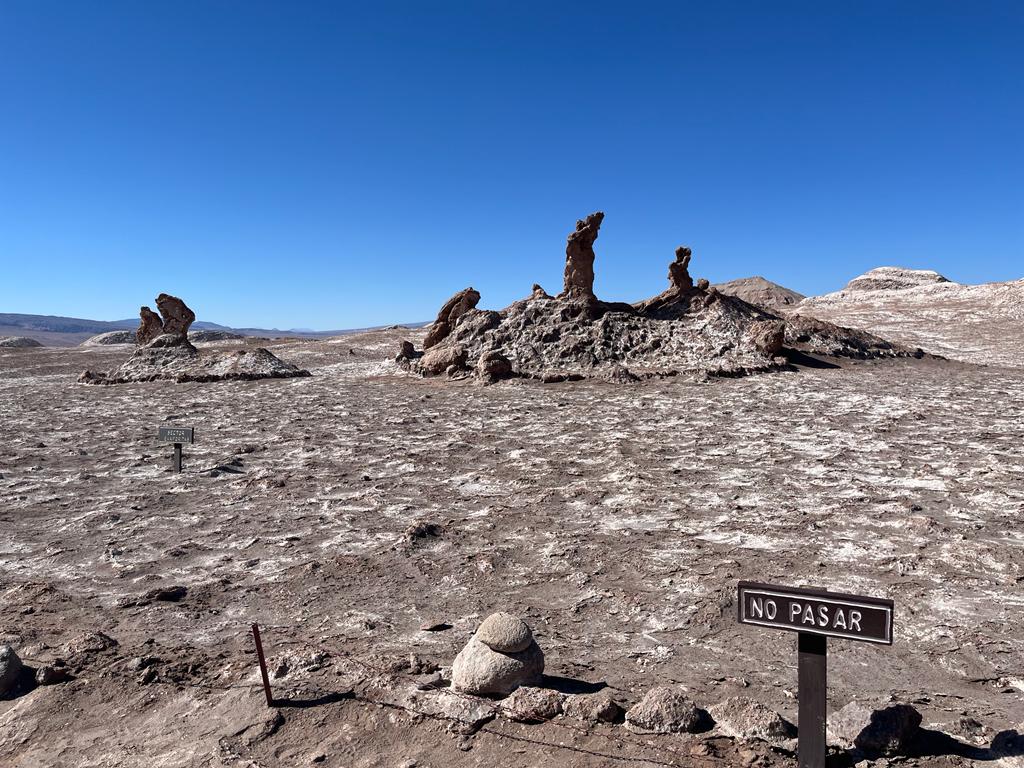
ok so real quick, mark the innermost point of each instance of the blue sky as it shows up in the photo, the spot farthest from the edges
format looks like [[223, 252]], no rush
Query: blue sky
[[332, 165]]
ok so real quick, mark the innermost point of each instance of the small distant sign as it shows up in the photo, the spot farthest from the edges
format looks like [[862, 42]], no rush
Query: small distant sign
[[816, 612], [177, 434]]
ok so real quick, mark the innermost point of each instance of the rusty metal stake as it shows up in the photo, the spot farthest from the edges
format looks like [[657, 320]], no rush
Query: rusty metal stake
[[263, 664]]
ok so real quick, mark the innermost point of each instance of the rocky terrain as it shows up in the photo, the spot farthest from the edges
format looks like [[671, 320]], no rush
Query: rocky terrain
[[371, 519], [973, 323], [690, 330]]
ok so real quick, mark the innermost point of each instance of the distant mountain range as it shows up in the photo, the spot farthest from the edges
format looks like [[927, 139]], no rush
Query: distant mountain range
[[57, 331]]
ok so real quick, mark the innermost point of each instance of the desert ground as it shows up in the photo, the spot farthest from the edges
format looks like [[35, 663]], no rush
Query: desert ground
[[615, 519]]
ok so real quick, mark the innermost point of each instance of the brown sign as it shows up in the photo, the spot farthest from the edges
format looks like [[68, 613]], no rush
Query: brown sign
[[816, 611]]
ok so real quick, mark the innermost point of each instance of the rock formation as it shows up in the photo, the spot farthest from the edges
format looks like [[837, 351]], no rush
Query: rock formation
[[690, 328], [579, 258], [165, 352], [449, 315], [150, 326], [501, 656], [679, 270], [177, 317]]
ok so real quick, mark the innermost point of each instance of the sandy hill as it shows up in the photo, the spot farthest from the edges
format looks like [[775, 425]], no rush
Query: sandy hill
[[761, 293], [974, 323]]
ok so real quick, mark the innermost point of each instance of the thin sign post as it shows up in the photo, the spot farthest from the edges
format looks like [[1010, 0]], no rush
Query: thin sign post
[[816, 614], [177, 435]]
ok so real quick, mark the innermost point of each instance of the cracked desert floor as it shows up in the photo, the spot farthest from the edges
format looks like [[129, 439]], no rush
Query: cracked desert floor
[[616, 519]]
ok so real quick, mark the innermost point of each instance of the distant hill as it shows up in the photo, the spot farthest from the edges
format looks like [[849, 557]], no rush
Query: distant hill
[[974, 323], [761, 293], [57, 331]]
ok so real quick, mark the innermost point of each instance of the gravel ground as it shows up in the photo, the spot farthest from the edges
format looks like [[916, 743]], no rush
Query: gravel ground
[[616, 519]]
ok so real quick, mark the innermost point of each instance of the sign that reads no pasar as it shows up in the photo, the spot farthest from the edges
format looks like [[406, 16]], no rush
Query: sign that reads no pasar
[[816, 611]]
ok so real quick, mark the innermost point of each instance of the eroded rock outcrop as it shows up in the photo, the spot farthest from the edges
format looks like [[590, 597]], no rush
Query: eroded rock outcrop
[[579, 257], [691, 328], [150, 326], [177, 317], [170, 355], [449, 315]]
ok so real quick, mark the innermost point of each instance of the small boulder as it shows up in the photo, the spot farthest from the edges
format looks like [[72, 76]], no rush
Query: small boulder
[[593, 708], [667, 709], [406, 351], [768, 336], [532, 705], [479, 669], [493, 365], [10, 670], [744, 718], [505, 633], [437, 360], [53, 674], [887, 729]]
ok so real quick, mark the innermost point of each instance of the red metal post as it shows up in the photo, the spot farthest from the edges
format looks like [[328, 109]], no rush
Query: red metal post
[[263, 664]]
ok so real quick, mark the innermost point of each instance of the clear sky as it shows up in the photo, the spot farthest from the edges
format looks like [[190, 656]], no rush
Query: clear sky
[[332, 165]]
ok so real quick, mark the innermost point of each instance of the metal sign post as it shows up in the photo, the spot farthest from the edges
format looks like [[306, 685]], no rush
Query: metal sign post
[[177, 435], [816, 614]]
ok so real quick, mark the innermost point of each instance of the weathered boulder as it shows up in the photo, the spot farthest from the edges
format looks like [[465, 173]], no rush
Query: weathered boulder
[[406, 350], [592, 708], [449, 315], [768, 336], [579, 257], [505, 633], [667, 709], [439, 359], [150, 326], [744, 718], [539, 293], [884, 729], [53, 674], [480, 669], [493, 365], [527, 704], [10, 670], [177, 317]]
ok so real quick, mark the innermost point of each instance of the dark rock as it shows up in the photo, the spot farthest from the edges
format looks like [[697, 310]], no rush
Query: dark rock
[[679, 270], [165, 594], [52, 674], [150, 326], [887, 729], [10, 670], [177, 317]]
